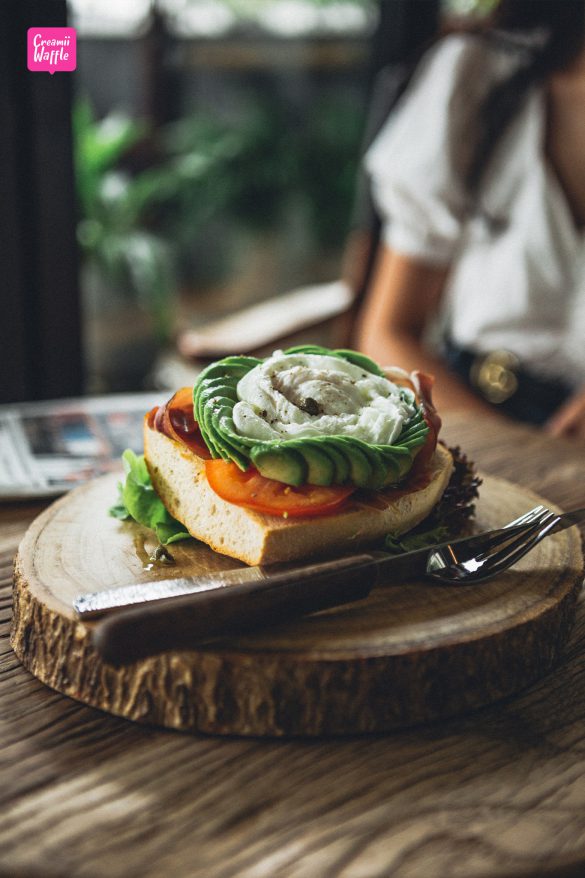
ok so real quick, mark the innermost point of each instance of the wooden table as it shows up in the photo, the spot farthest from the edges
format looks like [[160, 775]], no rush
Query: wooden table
[[497, 793]]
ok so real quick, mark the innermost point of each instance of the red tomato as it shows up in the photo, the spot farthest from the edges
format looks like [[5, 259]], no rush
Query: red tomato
[[254, 491]]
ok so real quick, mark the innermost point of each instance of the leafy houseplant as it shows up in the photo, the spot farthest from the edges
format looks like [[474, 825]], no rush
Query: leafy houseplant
[[125, 263], [201, 170], [144, 230]]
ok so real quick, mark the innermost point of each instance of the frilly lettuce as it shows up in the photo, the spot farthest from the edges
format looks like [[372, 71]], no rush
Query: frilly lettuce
[[138, 500], [451, 517]]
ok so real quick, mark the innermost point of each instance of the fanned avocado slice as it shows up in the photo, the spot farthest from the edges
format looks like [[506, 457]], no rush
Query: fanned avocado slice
[[354, 357], [376, 461], [229, 366], [361, 361], [360, 468], [214, 396], [338, 459], [309, 349], [320, 466], [228, 449], [217, 387], [280, 463], [393, 465]]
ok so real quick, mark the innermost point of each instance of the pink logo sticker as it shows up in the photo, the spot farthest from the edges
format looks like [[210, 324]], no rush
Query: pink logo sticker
[[53, 49]]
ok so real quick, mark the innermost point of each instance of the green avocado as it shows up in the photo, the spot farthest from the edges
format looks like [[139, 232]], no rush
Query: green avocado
[[338, 459], [376, 461], [360, 468], [320, 466], [280, 463], [393, 467], [220, 422]]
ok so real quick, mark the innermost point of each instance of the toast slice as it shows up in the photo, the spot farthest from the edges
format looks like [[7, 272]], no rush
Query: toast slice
[[178, 476]]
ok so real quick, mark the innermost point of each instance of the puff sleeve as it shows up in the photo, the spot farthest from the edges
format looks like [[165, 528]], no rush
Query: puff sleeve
[[416, 165]]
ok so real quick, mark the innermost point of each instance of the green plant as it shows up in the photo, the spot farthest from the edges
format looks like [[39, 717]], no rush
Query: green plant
[[111, 230], [234, 170], [328, 165], [205, 169]]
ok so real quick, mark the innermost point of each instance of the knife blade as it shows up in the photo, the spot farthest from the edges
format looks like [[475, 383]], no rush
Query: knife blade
[[147, 618]]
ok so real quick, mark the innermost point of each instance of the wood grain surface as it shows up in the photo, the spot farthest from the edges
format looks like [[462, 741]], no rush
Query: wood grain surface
[[412, 652], [498, 792]]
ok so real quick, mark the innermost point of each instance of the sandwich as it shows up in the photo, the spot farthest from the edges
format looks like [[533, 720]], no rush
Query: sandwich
[[308, 452]]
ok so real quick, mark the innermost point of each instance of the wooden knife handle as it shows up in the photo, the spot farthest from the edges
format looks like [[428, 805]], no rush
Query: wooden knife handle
[[187, 621]]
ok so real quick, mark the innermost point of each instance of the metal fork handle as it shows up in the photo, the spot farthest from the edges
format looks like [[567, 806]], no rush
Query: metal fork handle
[[575, 516], [524, 546], [517, 539], [551, 523]]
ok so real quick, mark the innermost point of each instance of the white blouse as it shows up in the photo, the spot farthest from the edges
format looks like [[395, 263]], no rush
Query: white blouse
[[517, 279]]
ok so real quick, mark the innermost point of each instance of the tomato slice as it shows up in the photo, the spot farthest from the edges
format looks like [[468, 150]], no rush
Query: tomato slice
[[176, 420], [254, 491]]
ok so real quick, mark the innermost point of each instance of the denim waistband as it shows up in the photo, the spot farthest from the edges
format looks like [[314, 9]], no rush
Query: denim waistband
[[500, 378]]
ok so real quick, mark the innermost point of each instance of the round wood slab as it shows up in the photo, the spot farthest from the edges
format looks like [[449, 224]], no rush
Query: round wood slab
[[411, 653]]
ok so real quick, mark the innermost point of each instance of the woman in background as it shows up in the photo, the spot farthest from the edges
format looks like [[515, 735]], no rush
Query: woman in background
[[479, 178]]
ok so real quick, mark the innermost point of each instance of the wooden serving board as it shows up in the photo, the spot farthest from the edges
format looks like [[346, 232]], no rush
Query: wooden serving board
[[413, 652]]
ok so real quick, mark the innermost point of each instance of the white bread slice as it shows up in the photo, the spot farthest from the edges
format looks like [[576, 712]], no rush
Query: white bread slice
[[179, 478]]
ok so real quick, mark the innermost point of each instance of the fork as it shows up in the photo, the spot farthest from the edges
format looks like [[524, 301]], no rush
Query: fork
[[468, 562]]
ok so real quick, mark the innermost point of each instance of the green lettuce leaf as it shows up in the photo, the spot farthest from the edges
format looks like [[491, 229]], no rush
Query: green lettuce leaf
[[138, 500], [412, 541]]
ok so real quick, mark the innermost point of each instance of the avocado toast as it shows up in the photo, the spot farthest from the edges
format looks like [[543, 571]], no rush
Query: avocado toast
[[308, 452]]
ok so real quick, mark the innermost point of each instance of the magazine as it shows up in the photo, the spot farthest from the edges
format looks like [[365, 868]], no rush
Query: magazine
[[46, 448]]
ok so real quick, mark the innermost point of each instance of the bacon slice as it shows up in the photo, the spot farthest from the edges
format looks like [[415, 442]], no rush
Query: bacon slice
[[423, 386], [176, 420]]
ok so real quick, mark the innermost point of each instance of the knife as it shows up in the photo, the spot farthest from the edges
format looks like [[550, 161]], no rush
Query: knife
[[182, 613], [143, 619]]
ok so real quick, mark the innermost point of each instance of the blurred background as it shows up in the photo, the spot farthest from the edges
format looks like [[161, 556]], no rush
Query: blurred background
[[203, 158]]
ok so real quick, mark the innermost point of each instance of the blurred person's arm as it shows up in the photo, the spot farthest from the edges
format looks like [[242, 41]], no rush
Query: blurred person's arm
[[415, 167], [404, 294], [569, 420]]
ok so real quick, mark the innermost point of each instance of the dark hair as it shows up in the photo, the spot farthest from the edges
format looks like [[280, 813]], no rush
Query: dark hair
[[557, 28], [563, 20]]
